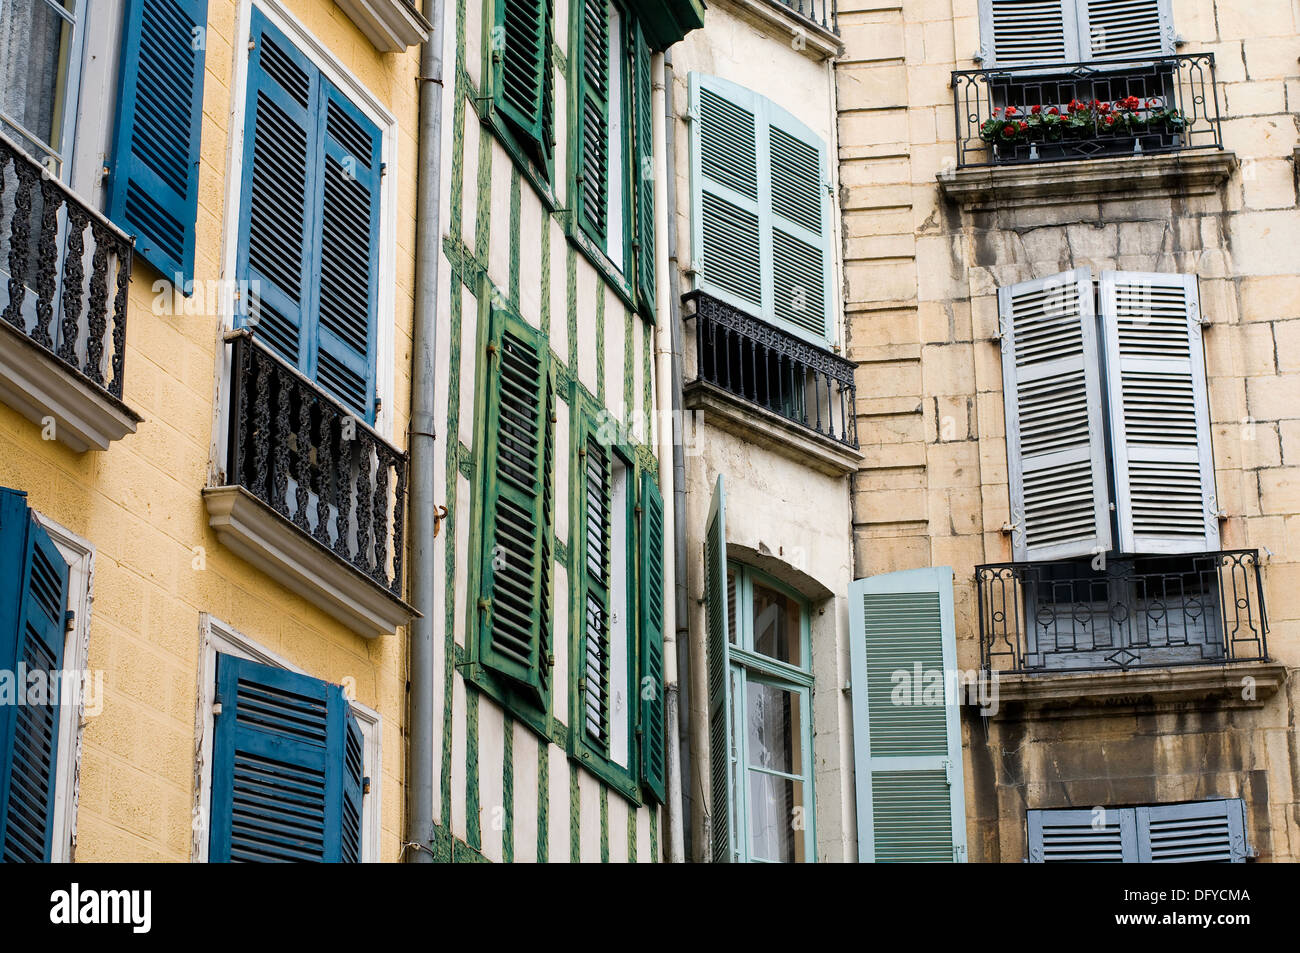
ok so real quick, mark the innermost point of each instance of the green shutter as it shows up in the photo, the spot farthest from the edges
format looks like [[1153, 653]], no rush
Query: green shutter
[[595, 466], [592, 179], [522, 86], [906, 726], [515, 592], [651, 590], [722, 754], [644, 174]]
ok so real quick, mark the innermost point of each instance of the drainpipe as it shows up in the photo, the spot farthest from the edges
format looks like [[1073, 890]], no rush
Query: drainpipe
[[668, 444], [679, 739], [422, 507]]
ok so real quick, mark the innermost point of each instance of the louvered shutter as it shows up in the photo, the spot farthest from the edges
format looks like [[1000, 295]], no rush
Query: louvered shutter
[[1115, 29], [347, 276], [33, 610], [800, 228], [1159, 413], [593, 135], [280, 766], [644, 176], [1203, 832], [651, 538], [728, 255], [1028, 32], [1056, 449], [907, 749], [521, 69], [722, 751], [1096, 836], [515, 592], [153, 184], [354, 790], [597, 482]]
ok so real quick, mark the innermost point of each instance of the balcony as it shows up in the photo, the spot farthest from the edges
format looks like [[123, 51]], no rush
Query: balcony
[[773, 388], [315, 497], [823, 13], [64, 272]]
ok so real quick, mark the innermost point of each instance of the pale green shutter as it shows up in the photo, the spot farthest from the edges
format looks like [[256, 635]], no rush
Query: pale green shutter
[[1116, 29], [1052, 394], [722, 754], [906, 723], [1025, 32], [800, 227]]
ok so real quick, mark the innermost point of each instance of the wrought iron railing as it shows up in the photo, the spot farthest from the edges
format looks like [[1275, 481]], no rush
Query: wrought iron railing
[[1135, 612], [64, 271], [772, 369], [1086, 110], [822, 12], [315, 463]]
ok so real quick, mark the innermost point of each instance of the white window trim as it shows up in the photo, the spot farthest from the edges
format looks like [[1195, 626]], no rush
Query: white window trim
[[216, 637], [101, 55], [80, 554], [324, 59]]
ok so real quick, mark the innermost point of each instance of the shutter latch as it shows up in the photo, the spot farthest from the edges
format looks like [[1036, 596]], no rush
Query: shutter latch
[[216, 706]]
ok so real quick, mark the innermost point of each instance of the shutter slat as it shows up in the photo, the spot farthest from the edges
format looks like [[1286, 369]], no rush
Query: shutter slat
[[522, 81]]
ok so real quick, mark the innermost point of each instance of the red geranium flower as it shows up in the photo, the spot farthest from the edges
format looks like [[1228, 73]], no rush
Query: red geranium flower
[[997, 111], [1103, 108], [1153, 103], [1023, 125], [1008, 130], [1054, 111], [1011, 110], [1036, 109], [1110, 121]]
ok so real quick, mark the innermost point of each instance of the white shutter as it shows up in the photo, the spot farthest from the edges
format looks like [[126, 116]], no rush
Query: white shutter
[[1114, 29], [1056, 451], [1028, 32], [1160, 416]]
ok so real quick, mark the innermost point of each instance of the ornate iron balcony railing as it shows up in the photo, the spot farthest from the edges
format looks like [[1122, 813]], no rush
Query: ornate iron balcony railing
[[822, 12], [772, 369], [1137, 612], [315, 463], [1120, 107], [64, 271]]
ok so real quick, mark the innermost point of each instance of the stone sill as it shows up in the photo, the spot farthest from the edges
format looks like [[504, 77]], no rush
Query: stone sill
[[1067, 183], [267, 540], [776, 18], [1081, 694], [38, 384], [770, 430], [390, 25]]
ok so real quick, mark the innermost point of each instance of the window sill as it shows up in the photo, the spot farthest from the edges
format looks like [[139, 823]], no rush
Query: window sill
[[524, 711], [602, 263], [531, 172], [778, 19], [390, 25], [1069, 183], [38, 385], [1080, 694], [267, 540], [621, 781]]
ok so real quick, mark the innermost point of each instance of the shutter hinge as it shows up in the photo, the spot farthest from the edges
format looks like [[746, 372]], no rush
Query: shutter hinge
[[69, 621], [383, 169], [691, 115], [947, 770], [216, 706], [485, 605], [550, 660], [582, 685], [959, 853], [1009, 528], [365, 786], [637, 510], [252, 44], [492, 350], [582, 452]]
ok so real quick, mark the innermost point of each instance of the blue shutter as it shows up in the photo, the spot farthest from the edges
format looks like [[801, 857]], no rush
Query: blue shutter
[[354, 791], [153, 183], [33, 607], [280, 773]]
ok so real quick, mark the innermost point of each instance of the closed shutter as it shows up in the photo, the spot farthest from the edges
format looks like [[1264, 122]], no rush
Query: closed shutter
[[597, 480], [521, 70], [153, 186], [1096, 836], [722, 753], [906, 725], [33, 610], [651, 539], [1052, 394], [1204, 832], [518, 468], [593, 132], [279, 766], [1025, 32], [354, 791], [644, 175], [800, 247], [1116, 29], [1159, 413]]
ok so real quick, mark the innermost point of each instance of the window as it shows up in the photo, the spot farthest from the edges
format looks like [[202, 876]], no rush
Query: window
[[40, 58], [309, 221], [1194, 832], [1105, 397], [760, 217], [522, 81], [1040, 32], [760, 709]]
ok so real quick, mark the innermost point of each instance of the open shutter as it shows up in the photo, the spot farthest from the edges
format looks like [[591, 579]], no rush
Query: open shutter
[[1114, 29], [153, 187], [354, 789], [1028, 32], [1096, 836], [907, 751], [724, 169], [515, 593], [521, 67], [347, 279], [651, 538], [1051, 389], [722, 751], [597, 503], [1203, 832], [277, 207], [644, 175], [800, 246], [1159, 410], [33, 610], [278, 766], [592, 179]]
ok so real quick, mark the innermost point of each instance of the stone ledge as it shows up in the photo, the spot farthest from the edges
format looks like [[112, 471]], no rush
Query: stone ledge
[[263, 537], [778, 19], [770, 430], [1082, 694], [1067, 183], [390, 25]]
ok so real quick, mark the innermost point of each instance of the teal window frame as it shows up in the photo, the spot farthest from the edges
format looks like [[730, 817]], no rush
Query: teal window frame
[[746, 665]]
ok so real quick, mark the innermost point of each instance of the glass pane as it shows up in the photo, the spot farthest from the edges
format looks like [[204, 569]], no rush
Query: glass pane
[[773, 728], [777, 629], [35, 45], [776, 818]]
